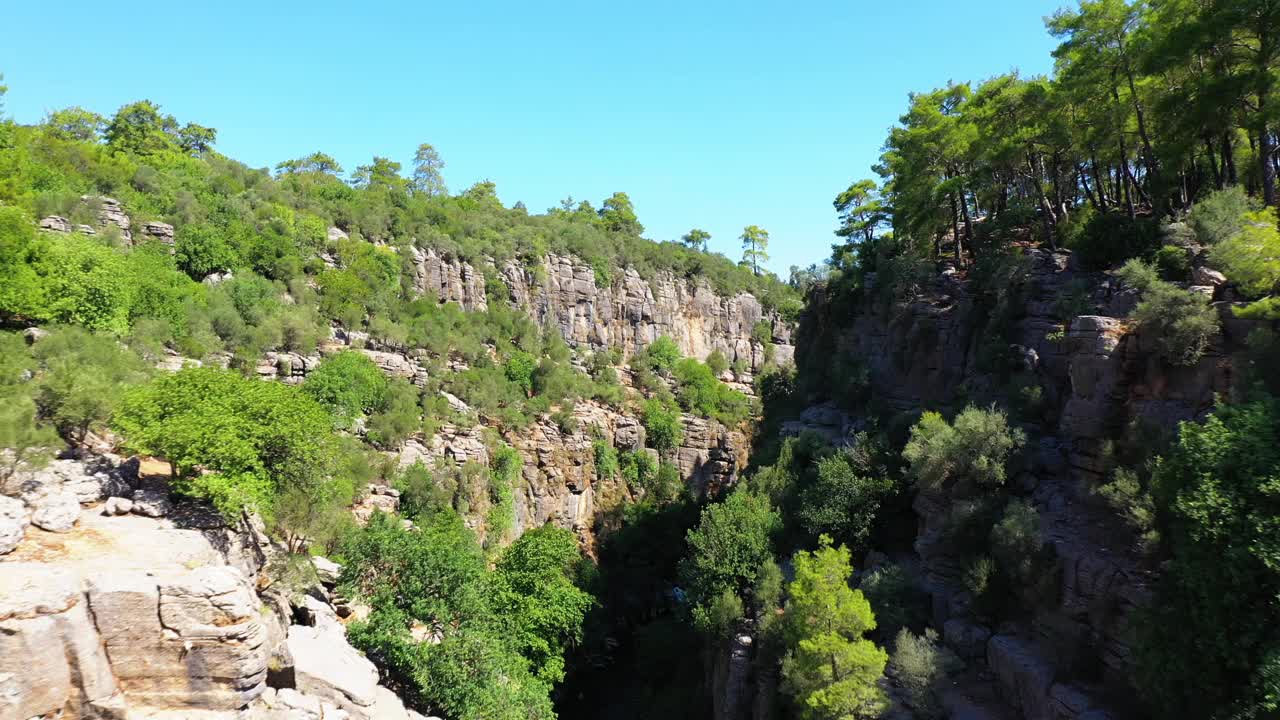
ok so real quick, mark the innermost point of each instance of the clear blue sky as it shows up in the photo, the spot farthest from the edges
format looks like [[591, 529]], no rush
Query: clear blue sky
[[709, 114]]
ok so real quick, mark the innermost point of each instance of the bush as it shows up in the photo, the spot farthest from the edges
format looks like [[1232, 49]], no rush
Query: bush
[[349, 384], [1251, 257], [921, 665], [1109, 239], [1015, 540], [234, 441], [606, 460], [700, 392], [661, 355], [1207, 643], [1173, 263], [1138, 274], [717, 362], [1218, 216], [897, 601], [1181, 322], [971, 451], [638, 469], [662, 425], [1126, 495]]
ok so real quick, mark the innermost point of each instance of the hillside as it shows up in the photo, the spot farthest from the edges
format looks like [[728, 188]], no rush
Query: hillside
[[295, 442]]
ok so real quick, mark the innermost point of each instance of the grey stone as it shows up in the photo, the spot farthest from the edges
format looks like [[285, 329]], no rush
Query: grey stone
[[56, 512], [327, 667], [117, 506], [55, 223], [13, 523], [1208, 276], [152, 502], [328, 570]]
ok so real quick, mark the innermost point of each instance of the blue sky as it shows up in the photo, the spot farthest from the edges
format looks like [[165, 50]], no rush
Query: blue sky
[[708, 114]]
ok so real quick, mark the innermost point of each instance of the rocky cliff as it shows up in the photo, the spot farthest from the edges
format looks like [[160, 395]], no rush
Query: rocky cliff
[[1101, 387], [117, 603]]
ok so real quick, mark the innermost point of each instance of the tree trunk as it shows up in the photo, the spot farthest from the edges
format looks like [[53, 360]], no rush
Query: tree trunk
[[1125, 180], [968, 225], [1266, 146], [1218, 175], [1100, 180], [1229, 159], [955, 231], [1088, 193]]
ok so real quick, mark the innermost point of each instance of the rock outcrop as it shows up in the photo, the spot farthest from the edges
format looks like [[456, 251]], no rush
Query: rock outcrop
[[124, 615], [1097, 377]]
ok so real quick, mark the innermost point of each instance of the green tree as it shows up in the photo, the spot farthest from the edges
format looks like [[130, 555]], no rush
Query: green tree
[[1206, 646], [317, 162], [83, 380], [843, 501], [972, 450], [696, 239], [519, 369], [141, 129], [234, 441], [427, 165], [75, 123], [732, 540], [349, 384], [196, 139], [23, 292], [831, 670], [534, 593], [662, 425], [381, 173], [755, 245], [202, 250], [618, 215], [28, 441], [862, 213]]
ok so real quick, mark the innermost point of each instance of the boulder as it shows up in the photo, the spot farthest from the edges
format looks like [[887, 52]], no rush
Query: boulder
[[55, 223], [52, 663], [1208, 276], [328, 570], [117, 506], [152, 502], [56, 512], [335, 234], [326, 666], [160, 231], [13, 523]]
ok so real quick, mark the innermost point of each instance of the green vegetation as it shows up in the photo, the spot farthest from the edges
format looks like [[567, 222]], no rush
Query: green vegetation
[[965, 455], [832, 671], [1206, 646]]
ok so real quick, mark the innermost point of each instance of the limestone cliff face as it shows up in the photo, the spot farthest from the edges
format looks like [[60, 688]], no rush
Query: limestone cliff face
[[121, 606], [1100, 379], [629, 313]]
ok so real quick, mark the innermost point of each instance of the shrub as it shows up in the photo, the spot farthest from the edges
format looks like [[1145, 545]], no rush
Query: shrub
[[973, 449], [638, 469], [717, 362], [1173, 263], [1111, 238], [1138, 274], [234, 441], [1251, 257], [606, 460], [921, 665], [700, 392], [897, 601], [349, 384], [662, 354], [1207, 643], [1128, 498], [1181, 322], [519, 369], [662, 425], [1218, 216], [1015, 540], [201, 250]]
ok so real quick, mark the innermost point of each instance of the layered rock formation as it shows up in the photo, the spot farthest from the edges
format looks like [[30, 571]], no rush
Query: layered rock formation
[[127, 616], [1100, 384]]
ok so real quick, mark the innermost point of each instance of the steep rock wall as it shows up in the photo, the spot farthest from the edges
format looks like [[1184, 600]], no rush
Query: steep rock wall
[[1100, 378]]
